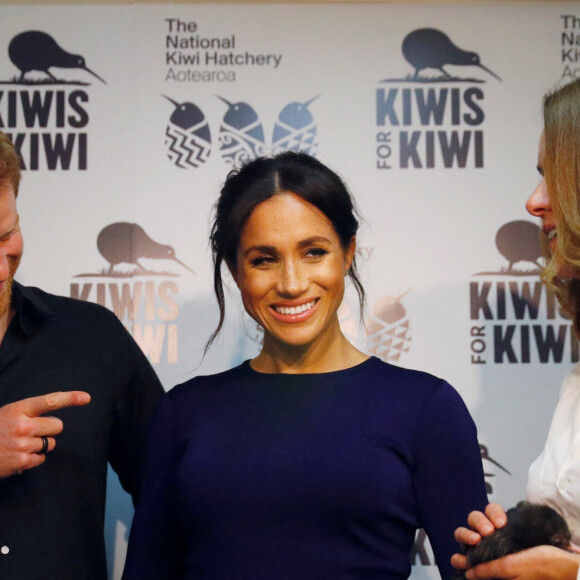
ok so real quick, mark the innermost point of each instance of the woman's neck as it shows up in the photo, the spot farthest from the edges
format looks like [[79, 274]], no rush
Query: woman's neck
[[317, 357]]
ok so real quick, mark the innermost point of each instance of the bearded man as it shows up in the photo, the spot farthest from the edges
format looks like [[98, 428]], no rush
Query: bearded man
[[75, 361]]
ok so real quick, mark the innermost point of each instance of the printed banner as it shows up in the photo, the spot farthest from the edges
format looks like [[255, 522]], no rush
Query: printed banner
[[128, 119]]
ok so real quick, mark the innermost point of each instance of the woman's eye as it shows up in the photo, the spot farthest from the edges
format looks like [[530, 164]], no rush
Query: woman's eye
[[317, 252], [261, 261]]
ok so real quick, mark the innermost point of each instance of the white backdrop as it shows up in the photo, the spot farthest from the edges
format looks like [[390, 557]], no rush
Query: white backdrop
[[438, 164]]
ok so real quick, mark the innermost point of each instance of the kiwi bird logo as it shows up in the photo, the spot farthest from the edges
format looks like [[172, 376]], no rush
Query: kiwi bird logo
[[241, 135], [124, 242], [429, 48], [34, 50], [486, 457], [295, 129], [519, 241], [388, 328], [187, 136]]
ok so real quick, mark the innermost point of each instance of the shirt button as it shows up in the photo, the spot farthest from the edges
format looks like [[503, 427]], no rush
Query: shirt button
[[563, 484], [5, 550]]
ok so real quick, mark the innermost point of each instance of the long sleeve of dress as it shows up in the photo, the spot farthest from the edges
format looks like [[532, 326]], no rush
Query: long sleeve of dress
[[448, 477]]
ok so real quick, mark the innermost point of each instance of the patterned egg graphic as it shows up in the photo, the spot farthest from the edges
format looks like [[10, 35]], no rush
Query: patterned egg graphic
[[388, 329], [295, 129], [241, 136], [187, 136]]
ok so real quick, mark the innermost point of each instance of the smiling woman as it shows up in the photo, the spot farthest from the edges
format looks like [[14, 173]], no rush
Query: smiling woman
[[290, 270], [313, 460], [312, 192], [290, 255]]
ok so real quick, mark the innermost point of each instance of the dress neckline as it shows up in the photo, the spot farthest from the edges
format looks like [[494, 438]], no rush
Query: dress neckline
[[360, 366]]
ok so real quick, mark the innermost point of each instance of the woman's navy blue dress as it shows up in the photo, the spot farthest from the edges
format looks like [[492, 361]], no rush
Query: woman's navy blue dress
[[253, 476]]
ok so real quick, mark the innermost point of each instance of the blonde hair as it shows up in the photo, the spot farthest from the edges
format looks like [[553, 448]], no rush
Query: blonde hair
[[562, 175], [9, 163]]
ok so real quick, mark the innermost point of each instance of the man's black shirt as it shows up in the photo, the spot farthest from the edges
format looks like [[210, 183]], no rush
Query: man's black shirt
[[51, 517]]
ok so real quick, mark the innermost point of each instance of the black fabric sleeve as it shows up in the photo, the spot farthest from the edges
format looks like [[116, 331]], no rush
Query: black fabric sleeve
[[448, 474], [134, 402]]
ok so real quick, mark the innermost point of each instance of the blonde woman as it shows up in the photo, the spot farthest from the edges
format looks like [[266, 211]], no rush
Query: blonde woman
[[554, 478]]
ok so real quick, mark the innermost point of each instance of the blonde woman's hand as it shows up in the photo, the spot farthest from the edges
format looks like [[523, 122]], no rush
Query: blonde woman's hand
[[540, 563], [480, 524]]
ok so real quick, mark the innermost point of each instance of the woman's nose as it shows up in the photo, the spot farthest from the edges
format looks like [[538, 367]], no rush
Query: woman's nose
[[292, 280], [538, 203]]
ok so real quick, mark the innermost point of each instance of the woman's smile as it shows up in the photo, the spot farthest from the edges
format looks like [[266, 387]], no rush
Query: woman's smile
[[294, 313]]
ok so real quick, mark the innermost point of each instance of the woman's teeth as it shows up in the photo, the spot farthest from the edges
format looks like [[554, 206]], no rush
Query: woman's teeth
[[295, 309]]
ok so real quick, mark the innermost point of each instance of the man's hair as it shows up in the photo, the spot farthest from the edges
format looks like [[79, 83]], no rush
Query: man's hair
[[9, 163]]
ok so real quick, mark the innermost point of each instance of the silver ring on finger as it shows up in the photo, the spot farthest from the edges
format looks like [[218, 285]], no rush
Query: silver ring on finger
[[44, 445]]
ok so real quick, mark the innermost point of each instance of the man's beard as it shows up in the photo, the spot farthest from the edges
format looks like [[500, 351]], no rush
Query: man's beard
[[6, 294]]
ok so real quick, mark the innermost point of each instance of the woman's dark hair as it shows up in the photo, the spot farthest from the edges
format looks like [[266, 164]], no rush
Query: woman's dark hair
[[261, 179]]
